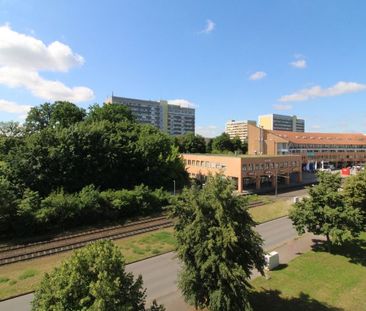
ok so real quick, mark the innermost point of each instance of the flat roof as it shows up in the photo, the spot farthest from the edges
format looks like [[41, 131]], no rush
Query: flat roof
[[242, 155], [322, 138]]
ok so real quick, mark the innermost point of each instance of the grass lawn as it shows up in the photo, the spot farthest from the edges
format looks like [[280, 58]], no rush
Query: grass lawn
[[272, 210], [24, 276], [317, 280]]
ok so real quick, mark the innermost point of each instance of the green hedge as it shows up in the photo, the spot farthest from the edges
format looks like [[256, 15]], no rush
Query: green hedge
[[61, 210]]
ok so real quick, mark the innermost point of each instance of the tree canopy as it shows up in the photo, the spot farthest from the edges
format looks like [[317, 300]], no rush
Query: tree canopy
[[217, 245], [354, 191], [93, 279], [223, 143], [191, 143], [109, 112], [325, 212], [60, 113]]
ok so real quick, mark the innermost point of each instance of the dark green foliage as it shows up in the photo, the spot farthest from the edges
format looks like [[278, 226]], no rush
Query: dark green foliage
[[60, 113], [93, 279], [354, 191], [105, 154], [191, 143], [224, 144], [8, 202], [217, 246], [62, 171], [109, 112], [61, 210], [325, 212]]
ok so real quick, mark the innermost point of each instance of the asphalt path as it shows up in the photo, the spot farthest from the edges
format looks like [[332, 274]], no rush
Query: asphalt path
[[160, 273]]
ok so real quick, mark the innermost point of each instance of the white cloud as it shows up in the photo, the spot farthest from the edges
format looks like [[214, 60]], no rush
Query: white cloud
[[23, 56], [210, 26], [282, 107], [315, 127], [301, 63], [257, 75], [27, 52], [11, 107], [209, 130], [45, 89], [182, 102], [316, 91]]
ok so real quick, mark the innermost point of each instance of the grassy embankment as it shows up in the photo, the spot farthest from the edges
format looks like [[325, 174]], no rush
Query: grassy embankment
[[317, 280], [24, 276]]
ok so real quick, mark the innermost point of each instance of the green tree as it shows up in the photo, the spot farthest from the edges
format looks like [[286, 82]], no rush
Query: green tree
[[191, 143], [11, 129], [65, 114], [93, 279], [60, 113], [326, 213], [38, 117], [109, 112], [103, 154], [8, 204], [217, 246], [354, 191], [222, 143]]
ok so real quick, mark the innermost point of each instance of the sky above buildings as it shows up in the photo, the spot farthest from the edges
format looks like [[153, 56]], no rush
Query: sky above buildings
[[230, 59]]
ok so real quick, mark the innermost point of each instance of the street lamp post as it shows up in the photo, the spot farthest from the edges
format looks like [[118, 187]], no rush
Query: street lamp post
[[275, 179], [275, 183]]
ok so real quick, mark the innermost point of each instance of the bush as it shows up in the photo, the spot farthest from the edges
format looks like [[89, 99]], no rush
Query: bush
[[62, 210]]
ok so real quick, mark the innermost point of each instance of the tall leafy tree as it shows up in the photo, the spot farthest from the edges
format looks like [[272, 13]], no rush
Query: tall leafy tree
[[354, 191], [110, 112], [60, 113], [217, 246], [191, 143], [222, 143], [65, 114], [326, 213], [38, 117], [94, 279]]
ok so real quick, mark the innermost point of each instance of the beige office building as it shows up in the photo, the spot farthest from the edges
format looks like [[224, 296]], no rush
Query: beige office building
[[278, 122], [246, 171], [238, 128]]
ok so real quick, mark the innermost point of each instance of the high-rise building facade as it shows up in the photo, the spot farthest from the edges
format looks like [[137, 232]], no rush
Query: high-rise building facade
[[172, 119], [238, 128], [278, 122]]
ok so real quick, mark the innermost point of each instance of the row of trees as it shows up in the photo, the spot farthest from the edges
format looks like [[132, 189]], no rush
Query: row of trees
[[191, 143], [338, 214], [61, 149]]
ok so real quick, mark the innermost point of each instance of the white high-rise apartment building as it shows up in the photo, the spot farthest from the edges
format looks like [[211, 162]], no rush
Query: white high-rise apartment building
[[172, 119], [238, 128]]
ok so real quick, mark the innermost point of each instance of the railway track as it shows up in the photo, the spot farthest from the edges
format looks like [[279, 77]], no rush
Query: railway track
[[73, 241], [16, 253]]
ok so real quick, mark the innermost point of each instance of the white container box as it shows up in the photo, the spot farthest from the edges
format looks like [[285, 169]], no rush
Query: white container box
[[272, 260]]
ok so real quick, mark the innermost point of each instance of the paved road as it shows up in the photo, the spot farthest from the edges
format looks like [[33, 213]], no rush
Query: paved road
[[160, 273]]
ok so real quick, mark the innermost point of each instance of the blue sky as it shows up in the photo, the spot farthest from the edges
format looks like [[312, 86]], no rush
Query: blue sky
[[231, 59]]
